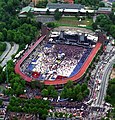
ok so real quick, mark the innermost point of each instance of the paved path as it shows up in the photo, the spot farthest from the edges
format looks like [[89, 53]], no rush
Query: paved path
[[8, 47], [13, 50]]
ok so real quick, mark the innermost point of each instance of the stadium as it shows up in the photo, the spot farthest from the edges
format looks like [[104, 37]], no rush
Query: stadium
[[62, 56]]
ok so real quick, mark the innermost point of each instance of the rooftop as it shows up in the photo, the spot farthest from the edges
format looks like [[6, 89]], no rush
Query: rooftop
[[27, 9], [64, 6], [104, 9]]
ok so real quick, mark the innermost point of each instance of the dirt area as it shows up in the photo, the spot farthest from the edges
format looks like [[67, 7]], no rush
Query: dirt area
[[79, 30]]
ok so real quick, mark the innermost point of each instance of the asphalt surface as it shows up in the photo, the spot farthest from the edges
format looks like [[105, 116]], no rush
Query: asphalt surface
[[104, 82], [13, 50], [102, 72], [8, 47]]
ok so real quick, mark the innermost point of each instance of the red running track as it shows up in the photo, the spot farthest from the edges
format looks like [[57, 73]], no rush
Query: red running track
[[57, 82]]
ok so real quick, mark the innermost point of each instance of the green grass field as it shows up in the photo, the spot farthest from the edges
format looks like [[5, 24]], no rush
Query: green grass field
[[73, 22]]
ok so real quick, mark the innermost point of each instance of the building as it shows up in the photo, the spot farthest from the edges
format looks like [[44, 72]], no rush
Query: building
[[25, 10], [65, 6], [67, 9], [111, 0], [104, 10]]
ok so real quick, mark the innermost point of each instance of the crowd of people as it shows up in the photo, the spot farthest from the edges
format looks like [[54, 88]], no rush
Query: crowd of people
[[53, 60]]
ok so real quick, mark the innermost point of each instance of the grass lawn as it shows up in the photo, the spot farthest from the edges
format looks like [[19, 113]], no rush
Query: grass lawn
[[73, 22]]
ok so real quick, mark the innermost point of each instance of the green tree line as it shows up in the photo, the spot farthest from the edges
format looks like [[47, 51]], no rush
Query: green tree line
[[2, 47], [106, 23], [30, 106], [76, 93], [13, 28]]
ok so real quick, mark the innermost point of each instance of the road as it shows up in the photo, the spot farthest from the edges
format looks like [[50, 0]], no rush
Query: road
[[13, 50], [104, 83], [8, 47], [102, 72]]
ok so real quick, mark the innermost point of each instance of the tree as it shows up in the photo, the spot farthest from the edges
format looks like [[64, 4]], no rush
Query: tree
[[102, 119], [106, 23], [50, 88], [50, 114], [86, 93], [83, 87], [79, 97], [10, 35], [48, 12], [33, 84], [87, 14], [9, 7], [44, 116], [54, 94], [101, 4], [70, 116], [69, 93], [112, 30], [52, 25], [42, 3], [57, 14], [2, 25], [60, 115], [64, 93], [77, 89], [94, 25], [112, 17], [2, 47], [110, 92], [4, 32], [69, 84], [15, 85], [1, 36], [1, 102], [15, 2], [87, 2], [14, 24], [113, 5], [31, 106], [76, 93], [76, 1], [56, 114], [19, 90], [30, 14], [44, 92]]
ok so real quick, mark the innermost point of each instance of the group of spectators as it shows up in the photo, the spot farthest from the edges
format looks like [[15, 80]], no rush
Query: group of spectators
[[52, 60]]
